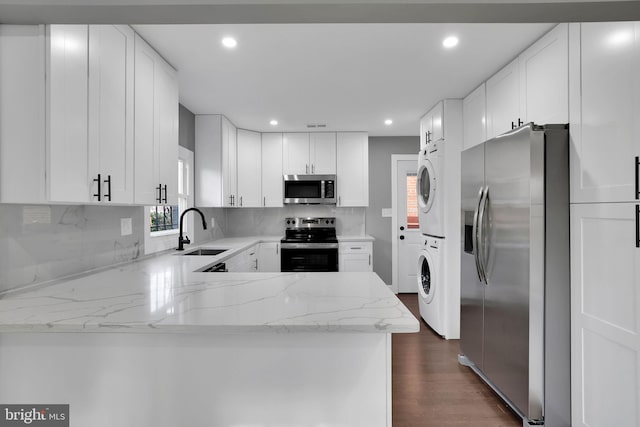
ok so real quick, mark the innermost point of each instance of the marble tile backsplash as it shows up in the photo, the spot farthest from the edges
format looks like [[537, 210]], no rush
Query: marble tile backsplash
[[40, 243]]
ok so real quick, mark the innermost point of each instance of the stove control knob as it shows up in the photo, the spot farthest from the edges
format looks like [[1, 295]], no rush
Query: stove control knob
[[332, 221]]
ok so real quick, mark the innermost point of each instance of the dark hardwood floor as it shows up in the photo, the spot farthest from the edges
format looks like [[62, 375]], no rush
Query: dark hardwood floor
[[430, 388]]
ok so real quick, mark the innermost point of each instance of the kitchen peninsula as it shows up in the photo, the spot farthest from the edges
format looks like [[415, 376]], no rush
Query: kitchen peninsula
[[155, 342]]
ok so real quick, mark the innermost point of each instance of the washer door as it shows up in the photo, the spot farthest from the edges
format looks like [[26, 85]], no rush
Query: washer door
[[426, 186], [425, 277]]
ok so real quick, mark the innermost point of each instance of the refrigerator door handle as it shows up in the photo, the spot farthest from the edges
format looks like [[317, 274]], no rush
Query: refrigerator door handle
[[482, 258], [475, 231]]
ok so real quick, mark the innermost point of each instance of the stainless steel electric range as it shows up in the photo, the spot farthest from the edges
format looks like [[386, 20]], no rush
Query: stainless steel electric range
[[310, 244]]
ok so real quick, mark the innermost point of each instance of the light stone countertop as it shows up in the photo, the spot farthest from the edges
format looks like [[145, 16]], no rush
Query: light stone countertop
[[354, 238], [164, 293]]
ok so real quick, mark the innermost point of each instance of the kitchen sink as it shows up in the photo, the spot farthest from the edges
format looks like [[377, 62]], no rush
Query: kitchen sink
[[205, 252]]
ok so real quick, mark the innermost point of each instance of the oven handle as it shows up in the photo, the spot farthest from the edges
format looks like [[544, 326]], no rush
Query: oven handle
[[308, 245]]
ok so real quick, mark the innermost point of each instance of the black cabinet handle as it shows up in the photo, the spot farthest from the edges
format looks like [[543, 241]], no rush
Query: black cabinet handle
[[99, 181], [159, 190], [637, 226], [637, 176], [165, 194], [108, 181], [513, 125], [520, 122]]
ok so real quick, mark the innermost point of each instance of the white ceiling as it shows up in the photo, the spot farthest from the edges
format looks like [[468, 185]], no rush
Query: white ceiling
[[347, 76]]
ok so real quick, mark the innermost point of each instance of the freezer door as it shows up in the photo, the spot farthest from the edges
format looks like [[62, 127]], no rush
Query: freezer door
[[506, 243], [471, 286]]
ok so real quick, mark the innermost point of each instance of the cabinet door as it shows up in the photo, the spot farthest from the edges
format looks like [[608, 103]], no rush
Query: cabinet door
[[146, 130], [269, 257], [168, 117], [272, 170], [68, 177], [544, 79], [352, 180], [111, 56], [473, 113], [295, 154], [605, 314], [436, 114], [355, 256], [229, 164], [322, 152], [426, 130], [503, 100], [605, 104], [249, 169]]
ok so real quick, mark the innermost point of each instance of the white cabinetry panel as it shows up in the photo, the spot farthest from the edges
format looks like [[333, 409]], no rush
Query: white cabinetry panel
[[269, 257], [352, 179], [355, 256], [68, 177], [295, 154], [474, 115], [249, 167], [605, 314], [605, 106], [272, 185], [503, 100], [322, 153]]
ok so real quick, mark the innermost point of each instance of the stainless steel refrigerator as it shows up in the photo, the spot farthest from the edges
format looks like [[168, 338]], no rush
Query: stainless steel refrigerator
[[515, 278]]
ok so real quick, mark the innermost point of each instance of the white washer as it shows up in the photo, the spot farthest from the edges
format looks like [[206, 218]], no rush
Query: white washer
[[430, 186], [431, 282]]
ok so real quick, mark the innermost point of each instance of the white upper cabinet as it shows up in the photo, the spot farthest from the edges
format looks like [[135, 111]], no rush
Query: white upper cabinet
[[352, 178], [272, 171], [295, 154], [532, 88], [111, 66], [156, 128], [309, 153], [474, 116], [322, 153], [249, 174], [503, 100], [544, 78], [431, 126], [605, 106], [215, 163], [68, 175]]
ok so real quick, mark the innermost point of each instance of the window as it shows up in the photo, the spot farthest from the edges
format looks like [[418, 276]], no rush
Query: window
[[412, 201]]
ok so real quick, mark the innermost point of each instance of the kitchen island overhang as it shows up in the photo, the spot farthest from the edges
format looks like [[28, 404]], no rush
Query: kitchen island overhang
[[153, 343]]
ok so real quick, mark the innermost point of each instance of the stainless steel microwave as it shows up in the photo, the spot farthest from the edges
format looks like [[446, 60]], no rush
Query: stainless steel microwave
[[310, 189]]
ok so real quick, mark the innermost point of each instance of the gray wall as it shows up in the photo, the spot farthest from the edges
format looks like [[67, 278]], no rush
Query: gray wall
[[187, 126], [380, 151]]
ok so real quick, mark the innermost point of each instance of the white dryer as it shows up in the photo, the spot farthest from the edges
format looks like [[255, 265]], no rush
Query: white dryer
[[430, 189], [431, 283]]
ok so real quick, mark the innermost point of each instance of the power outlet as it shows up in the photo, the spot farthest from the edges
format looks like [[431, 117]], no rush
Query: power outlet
[[126, 228], [213, 223]]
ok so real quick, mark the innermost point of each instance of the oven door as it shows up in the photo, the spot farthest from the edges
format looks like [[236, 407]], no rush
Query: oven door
[[309, 257]]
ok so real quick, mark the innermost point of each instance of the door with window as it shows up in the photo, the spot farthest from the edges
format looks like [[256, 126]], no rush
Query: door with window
[[406, 232]]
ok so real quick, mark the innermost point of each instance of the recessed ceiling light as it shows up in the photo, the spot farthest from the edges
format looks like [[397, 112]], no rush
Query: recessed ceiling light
[[229, 42], [388, 122], [273, 122], [450, 42]]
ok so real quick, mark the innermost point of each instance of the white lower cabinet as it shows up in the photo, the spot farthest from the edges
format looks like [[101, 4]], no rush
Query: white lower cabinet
[[269, 257], [605, 314], [355, 256], [245, 261]]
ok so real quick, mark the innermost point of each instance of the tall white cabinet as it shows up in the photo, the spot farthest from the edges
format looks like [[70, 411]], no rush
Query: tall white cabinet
[[156, 128], [272, 170], [309, 153], [249, 169], [605, 223], [474, 108], [352, 180]]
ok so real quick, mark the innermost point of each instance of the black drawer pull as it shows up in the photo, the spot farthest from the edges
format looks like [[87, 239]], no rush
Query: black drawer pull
[[108, 181], [99, 181], [637, 226]]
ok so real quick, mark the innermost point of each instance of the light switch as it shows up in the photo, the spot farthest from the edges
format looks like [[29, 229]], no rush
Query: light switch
[[125, 226]]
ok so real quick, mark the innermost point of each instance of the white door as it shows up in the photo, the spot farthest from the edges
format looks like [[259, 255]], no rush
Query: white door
[[272, 170], [322, 153], [406, 229], [353, 169], [295, 154], [503, 100], [604, 95], [605, 314], [249, 169]]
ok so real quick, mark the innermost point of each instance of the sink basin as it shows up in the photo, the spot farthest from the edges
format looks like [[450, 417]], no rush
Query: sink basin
[[205, 251]]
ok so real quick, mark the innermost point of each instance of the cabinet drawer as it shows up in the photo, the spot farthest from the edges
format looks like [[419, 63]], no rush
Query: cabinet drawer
[[355, 247]]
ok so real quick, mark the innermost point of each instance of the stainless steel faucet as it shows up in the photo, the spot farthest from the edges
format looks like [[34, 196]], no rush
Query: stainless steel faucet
[[185, 240]]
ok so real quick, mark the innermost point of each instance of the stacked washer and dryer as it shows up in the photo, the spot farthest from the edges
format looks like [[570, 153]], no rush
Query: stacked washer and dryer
[[438, 190]]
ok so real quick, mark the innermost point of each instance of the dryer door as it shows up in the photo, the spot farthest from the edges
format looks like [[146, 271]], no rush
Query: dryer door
[[425, 277], [426, 186]]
